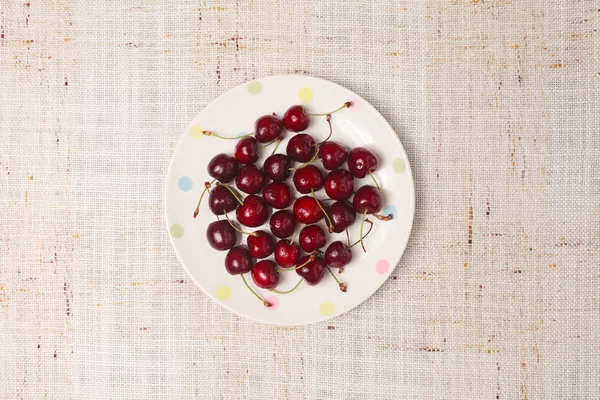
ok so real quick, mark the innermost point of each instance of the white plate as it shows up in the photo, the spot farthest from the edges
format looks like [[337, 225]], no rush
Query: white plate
[[233, 114]]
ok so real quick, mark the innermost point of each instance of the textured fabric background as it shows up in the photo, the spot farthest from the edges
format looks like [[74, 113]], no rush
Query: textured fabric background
[[496, 102]]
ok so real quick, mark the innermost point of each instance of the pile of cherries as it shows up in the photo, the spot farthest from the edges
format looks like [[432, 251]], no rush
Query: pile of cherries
[[266, 188]]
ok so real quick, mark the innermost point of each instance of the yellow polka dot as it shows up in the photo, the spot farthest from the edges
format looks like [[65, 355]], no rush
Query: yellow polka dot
[[196, 131], [223, 293], [326, 309], [305, 94], [176, 231], [254, 88], [399, 165]]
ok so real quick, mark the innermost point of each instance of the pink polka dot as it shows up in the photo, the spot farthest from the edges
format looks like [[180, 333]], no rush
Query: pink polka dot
[[355, 104], [382, 267], [274, 300]]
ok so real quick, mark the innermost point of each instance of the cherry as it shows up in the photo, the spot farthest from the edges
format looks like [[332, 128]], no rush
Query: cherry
[[220, 235], [367, 200], [313, 271], [277, 167], [261, 244], [338, 255], [301, 147], [282, 223], [250, 179], [362, 162], [221, 200], [265, 275], [277, 195], [332, 155], [342, 216], [246, 150], [223, 168], [267, 128], [307, 179], [286, 254], [238, 260], [307, 210], [253, 212], [339, 184], [296, 119], [312, 238]]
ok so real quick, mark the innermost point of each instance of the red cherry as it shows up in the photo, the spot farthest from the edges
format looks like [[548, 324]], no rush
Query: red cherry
[[223, 168], [367, 199], [296, 119], [221, 200], [307, 210], [261, 244], [312, 238], [283, 224], [277, 167], [342, 216], [332, 155], [313, 271], [238, 260], [338, 255], [250, 179], [339, 184], [220, 235], [246, 150], [253, 212], [286, 254], [267, 128], [307, 179], [265, 275], [301, 147], [362, 162], [277, 195]]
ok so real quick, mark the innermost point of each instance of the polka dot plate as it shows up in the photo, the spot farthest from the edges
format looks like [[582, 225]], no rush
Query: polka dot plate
[[233, 114]]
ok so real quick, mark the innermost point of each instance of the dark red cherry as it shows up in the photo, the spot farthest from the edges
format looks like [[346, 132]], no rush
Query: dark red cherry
[[267, 128], [342, 216], [312, 238], [308, 178], [265, 275], [286, 254], [283, 224], [261, 244], [223, 168], [313, 271], [367, 199], [246, 150], [332, 155], [307, 210], [221, 200], [238, 260], [339, 184], [362, 162], [250, 179], [277, 167], [296, 119], [253, 212], [277, 195], [338, 255], [220, 235], [301, 147]]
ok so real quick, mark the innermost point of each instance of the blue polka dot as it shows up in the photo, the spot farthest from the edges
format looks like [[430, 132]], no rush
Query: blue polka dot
[[185, 183], [390, 210]]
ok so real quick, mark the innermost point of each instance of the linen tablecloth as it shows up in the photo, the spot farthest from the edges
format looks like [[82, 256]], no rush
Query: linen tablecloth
[[496, 102]]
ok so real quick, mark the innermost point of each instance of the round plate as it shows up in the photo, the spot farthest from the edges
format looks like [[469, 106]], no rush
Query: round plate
[[233, 114]]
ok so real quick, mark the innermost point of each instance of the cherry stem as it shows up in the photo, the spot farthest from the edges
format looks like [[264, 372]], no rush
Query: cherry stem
[[238, 229], [310, 259], [312, 160], [288, 291], [328, 118], [295, 236], [348, 238], [258, 296], [232, 192], [331, 229], [207, 186], [384, 217], [279, 140], [210, 133], [375, 180], [345, 105], [361, 235], [342, 285], [361, 231]]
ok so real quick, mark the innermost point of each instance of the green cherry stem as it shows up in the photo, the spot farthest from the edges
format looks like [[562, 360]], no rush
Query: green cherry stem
[[310, 259], [331, 229], [295, 236], [210, 133], [375, 180], [238, 229], [342, 285], [279, 140], [361, 231], [312, 160], [207, 186], [328, 118], [288, 291], [232, 192], [345, 105], [348, 237], [258, 296]]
